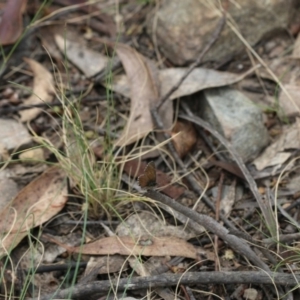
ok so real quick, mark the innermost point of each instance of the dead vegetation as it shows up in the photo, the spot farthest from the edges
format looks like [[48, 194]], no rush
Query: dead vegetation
[[149, 149]]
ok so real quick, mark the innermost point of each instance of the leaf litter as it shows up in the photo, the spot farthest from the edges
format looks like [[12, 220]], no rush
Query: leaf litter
[[144, 91], [11, 24], [134, 240], [43, 90], [35, 204], [280, 150]]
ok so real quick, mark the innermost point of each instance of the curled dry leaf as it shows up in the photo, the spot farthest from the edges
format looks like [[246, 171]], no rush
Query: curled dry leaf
[[11, 24], [35, 204], [144, 93], [147, 245], [43, 90]]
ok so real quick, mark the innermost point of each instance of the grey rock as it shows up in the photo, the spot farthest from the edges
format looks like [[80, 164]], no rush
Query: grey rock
[[183, 28], [233, 115]]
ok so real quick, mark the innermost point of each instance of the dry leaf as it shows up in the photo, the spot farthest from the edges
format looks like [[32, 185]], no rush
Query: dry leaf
[[144, 93], [147, 245], [135, 168], [186, 139], [43, 90], [35, 204], [47, 36], [290, 108], [198, 80], [11, 24], [88, 61], [276, 154]]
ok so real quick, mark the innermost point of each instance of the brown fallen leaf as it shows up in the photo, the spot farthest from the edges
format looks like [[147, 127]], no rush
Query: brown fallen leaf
[[47, 35], [11, 24], [144, 93], [147, 245], [43, 90], [199, 79], [35, 204], [134, 168], [186, 139]]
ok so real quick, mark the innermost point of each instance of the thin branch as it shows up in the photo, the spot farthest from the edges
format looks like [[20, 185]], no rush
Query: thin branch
[[163, 280], [213, 226], [268, 215]]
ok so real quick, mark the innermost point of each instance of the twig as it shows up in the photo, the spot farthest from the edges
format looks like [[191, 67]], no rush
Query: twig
[[56, 267], [213, 226], [190, 293], [218, 204], [268, 215], [163, 280], [219, 196], [283, 239]]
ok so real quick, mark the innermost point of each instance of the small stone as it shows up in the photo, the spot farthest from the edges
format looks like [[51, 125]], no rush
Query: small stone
[[237, 118], [32, 156]]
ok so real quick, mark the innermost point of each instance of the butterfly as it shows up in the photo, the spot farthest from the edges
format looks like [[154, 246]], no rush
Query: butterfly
[[148, 179]]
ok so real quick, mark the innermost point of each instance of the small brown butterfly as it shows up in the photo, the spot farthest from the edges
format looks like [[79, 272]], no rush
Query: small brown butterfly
[[148, 179]]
